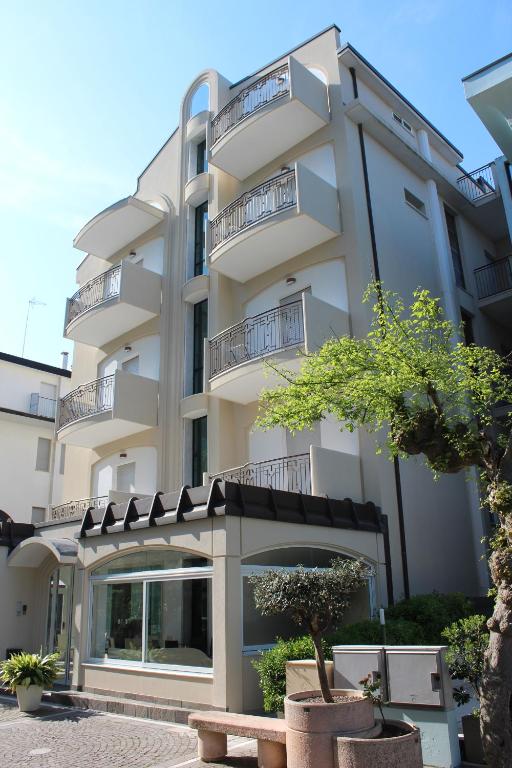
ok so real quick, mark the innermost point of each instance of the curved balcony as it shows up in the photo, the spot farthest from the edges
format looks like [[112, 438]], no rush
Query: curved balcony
[[277, 220], [112, 303], [75, 510], [237, 355], [267, 118], [287, 473], [107, 409], [494, 290]]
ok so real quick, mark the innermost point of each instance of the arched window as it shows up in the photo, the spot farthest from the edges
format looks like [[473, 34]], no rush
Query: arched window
[[260, 632], [153, 607], [200, 100]]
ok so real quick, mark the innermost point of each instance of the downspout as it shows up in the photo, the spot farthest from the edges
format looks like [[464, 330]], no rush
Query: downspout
[[376, 275]]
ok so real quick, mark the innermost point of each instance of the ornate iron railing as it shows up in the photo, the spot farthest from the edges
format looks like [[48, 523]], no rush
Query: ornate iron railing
[[268, 88], [288, 473], [271, 197], [87, 400], [494, 278], [477, 184], [42, 406], [76, 509], [96, 291], [256, 337]]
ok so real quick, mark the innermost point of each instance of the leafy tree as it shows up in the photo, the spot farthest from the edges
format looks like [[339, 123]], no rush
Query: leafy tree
[[467, 639], [316, 599], [435, 396]]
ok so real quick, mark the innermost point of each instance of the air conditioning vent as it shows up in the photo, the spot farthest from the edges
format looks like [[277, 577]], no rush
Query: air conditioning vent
[[405, 125]]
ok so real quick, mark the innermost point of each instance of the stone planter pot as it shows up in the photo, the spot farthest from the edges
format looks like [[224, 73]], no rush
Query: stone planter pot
[[29, 699], [313, 726], [473, 748], [400, 751]]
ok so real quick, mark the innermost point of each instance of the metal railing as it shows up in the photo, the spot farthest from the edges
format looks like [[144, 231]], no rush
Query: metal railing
[[268, 88], [477, 184], [87, 400], [288, 473], [76, 509], [494, 278], [96, 291], [271, 197], [257, 336], [42, 406]]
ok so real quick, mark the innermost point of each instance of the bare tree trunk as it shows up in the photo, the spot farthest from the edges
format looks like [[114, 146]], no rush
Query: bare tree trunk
[[320, 665], [496, 688]]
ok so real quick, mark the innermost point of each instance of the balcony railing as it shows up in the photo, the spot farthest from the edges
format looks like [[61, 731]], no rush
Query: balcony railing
[[477, 184], [288, 473], [263, 201], [87, 400], [494, 278], [268, 88], [96, 291], [257, 336], [72, 510], [42, 406]]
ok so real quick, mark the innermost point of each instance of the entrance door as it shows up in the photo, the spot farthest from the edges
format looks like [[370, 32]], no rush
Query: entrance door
[[59, 618]]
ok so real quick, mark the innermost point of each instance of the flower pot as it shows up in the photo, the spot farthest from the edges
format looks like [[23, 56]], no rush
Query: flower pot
[[473, 748], [29, 699], [313, 726], [400, 750]]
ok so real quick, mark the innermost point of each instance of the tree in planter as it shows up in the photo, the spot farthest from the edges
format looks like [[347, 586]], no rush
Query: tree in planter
[[435, 396], [315, 599]]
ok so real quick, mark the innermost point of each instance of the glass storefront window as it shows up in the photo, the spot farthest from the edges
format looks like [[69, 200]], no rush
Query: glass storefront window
[[140, 617]]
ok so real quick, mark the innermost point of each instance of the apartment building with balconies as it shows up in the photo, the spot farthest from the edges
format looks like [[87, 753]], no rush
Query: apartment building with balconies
[[250, 237], [32, 464]]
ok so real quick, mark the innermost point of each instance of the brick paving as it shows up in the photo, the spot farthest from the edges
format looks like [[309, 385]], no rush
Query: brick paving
[[64, 738]]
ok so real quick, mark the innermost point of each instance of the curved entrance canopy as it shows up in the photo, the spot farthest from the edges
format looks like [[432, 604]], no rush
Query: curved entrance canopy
[[30, 553]]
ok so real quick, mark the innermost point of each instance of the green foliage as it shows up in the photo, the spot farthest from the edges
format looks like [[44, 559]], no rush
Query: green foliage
[[24, 669], [433, 395], [271, 668], [468, 639], [372, 691], [316, 599], [398, 632], [432, 613]]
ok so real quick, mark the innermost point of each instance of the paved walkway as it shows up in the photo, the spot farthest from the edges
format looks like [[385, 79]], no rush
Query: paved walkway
[[69, 738]]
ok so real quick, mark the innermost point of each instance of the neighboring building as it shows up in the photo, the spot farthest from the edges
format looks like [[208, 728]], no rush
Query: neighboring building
[[252, 233], [32, 464]]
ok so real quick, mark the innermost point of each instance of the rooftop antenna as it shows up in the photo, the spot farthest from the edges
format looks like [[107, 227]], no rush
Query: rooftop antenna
[[33, 302]]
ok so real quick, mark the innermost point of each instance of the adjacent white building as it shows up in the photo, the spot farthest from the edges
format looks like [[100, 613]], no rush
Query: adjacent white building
[[32, 464], [253, 234]]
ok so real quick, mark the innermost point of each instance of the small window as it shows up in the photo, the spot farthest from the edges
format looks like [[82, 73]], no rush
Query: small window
[[403, 123], [467, 327], [201, 159], [38, 514], [62, 462], [453, 238], [200, 227], [200, 332], [415, 202], [126, 477], [199, 450], [43, 454]]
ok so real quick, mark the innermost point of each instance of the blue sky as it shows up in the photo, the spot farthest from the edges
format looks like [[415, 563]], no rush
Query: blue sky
[[90, 90]]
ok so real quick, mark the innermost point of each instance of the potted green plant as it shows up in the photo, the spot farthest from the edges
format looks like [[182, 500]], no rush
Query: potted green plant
[[467, 642], [27, 674]]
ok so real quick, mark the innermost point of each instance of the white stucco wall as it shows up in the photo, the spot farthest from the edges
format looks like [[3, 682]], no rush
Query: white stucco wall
[[148, 350], [152, 254], [104, 472]]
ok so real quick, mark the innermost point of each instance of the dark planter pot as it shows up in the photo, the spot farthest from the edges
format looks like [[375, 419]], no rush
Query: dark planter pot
[[473, 748]]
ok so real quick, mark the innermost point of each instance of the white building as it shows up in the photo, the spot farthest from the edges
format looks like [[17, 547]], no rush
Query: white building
[[32, 465], [253, 233]]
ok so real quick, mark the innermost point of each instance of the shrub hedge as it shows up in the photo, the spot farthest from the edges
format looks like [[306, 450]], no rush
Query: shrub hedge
[[419, 620]]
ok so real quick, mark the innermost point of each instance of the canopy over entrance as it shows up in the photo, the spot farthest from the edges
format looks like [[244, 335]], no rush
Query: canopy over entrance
[[31, 552]]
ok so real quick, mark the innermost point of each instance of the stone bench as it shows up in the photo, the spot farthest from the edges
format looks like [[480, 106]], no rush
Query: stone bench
[[213, 727]]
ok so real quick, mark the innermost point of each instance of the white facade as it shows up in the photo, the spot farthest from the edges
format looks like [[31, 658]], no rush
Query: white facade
[[32, 464]]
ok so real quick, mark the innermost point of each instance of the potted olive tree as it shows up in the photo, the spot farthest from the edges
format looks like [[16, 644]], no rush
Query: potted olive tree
[[468, 640], [27, 674]]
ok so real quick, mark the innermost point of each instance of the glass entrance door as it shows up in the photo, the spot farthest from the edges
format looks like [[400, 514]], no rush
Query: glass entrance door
[[59, 618]]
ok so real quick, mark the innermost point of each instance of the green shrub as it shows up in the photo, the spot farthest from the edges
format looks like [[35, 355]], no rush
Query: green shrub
[[398, 632], [271, 667], [24, 669], [467, 640], [432, 612]]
